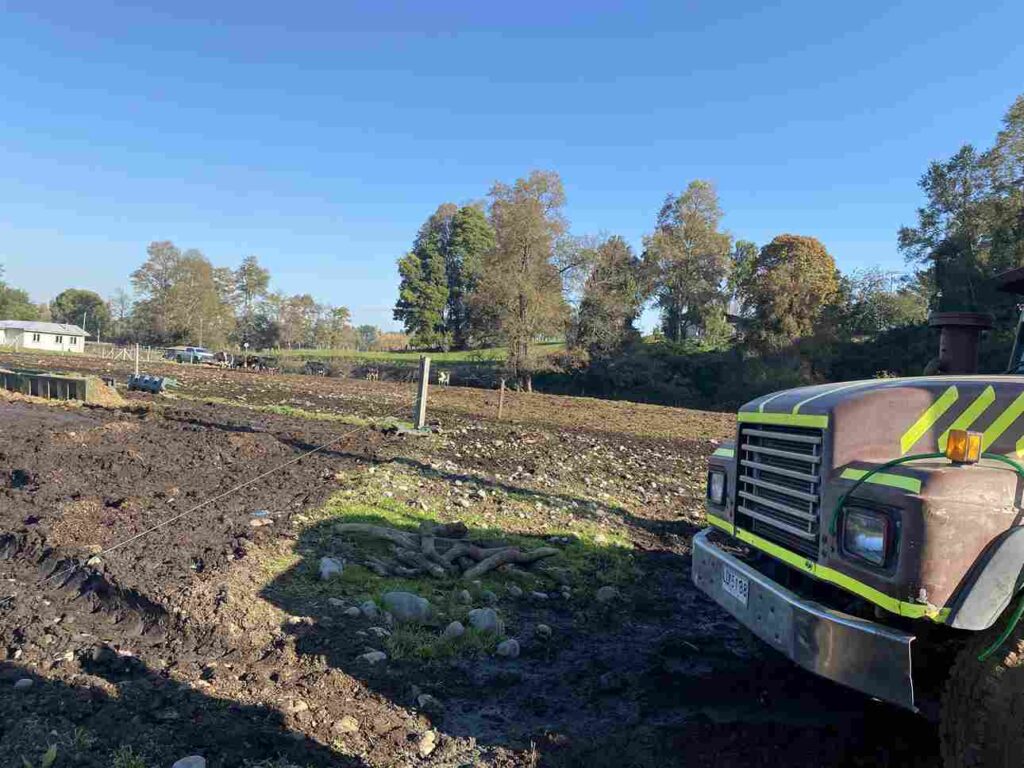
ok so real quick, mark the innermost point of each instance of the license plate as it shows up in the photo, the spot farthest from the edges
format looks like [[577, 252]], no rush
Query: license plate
[[736, 585]]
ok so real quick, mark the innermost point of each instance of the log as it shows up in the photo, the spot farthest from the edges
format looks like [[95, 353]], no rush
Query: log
[[504, 556], [417, 560], [406, 540]]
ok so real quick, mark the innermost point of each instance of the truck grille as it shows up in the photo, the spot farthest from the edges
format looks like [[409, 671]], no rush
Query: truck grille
[[778, 489]]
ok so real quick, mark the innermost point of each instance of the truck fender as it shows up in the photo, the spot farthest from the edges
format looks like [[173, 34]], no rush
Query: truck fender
[[993, 580]]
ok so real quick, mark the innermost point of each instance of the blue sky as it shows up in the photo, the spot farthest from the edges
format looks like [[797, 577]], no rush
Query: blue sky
[[318, 136]]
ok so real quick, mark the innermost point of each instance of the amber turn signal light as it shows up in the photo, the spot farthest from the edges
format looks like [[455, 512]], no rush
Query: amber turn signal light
[[963, 447]]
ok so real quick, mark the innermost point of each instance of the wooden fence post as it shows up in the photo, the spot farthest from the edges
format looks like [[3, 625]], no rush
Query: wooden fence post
[[420, 416], [136, 359], [501, 398]]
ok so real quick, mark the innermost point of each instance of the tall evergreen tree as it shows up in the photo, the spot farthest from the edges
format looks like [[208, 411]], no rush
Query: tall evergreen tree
[[423, 291], [472, 239]]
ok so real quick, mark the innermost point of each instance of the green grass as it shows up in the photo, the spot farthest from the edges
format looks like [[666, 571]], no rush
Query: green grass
[[126, 757], [592, 558], [287, 410], [488, 356]]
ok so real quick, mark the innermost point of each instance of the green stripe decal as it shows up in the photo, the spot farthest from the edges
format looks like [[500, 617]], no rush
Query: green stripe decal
[[725, 452], [1002, 422], [1020, 447], [911, 484], [927, 420], [787, 419], [719, 522], [891, 604], [970, 414]]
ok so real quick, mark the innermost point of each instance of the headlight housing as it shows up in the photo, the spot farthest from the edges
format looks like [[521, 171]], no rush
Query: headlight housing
[[867, 535], [716, 487]]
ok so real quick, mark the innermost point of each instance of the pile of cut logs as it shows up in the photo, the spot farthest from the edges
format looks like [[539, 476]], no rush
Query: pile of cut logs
[[441, 550]]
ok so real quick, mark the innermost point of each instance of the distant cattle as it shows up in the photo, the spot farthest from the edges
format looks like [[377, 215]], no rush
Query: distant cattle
[[373, 374], [444, 378], [316, 368]]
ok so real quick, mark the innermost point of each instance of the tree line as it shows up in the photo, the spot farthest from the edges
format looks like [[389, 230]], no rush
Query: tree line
[[508, 271], [179, 297]]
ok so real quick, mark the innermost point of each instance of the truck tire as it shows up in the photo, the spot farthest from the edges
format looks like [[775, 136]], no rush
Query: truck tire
[[982, 719]]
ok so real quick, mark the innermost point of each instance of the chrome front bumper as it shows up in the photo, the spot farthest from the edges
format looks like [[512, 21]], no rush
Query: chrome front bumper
[[863, 655]]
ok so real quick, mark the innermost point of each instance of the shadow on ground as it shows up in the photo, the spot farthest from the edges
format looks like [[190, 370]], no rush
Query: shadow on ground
[[121, 713], [658, 677]]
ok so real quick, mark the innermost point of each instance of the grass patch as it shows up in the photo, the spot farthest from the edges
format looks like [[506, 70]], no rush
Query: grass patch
[[590, 557], [491, 355], [126, 757], [300, 413]]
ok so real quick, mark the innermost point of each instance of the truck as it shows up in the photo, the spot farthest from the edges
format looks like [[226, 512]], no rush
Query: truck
[[872, 532]]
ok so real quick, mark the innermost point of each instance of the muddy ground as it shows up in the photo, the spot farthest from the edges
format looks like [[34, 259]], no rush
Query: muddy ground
[[211, 634]]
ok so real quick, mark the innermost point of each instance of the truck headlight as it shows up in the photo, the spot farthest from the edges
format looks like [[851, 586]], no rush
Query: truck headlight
[[716, 487], [866, 535]]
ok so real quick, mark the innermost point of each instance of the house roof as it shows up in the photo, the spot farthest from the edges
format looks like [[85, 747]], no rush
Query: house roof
[[34, 326]]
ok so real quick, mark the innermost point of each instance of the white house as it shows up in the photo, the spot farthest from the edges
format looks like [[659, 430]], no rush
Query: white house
[[53, 337]]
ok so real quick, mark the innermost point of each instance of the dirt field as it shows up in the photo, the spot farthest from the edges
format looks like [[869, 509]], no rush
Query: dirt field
[[214, 634]]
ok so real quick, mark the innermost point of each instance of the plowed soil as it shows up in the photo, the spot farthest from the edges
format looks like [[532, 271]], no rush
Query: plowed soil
[[153, 602]]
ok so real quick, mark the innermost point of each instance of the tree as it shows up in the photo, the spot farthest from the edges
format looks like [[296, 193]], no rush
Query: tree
[[472, 239], [250, 283], [876, 301], [793, 279], [971, 226], [15, 303], [182, 298], [83, 308], [689, 258], [120, 306], [332, 329], [743, 257], [519, 296], [366, 337], [423, 290], [613, 296]]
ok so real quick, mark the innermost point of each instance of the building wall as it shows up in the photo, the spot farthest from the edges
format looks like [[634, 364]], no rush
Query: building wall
[[50, 342]]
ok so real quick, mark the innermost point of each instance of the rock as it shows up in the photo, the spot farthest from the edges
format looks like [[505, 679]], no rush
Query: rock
[[508, 649], [259, 522], [24, 684], [463, 502], [295, 706], [607, 594], [428, 743], [489, 597], [347, 724], [454, 630], [429, 704], [369, 609], [543, 631], [93, 561], [330, 567], [354, 612], [192, 761], [538, 595], [486, 620], [374, 657], [515, 591], [481, 493], [336, 602], [379, 631], [405, 606], [464, 597]]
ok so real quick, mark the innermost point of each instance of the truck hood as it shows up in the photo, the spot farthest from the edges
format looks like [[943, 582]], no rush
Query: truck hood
[[882, 419]]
